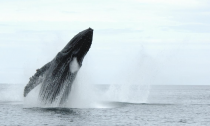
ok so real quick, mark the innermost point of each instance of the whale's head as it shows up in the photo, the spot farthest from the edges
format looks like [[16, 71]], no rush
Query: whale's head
[[78, 46], [63, 69]]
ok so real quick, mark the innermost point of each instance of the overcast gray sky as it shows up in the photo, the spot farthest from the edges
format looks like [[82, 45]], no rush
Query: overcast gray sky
[[144, 41]]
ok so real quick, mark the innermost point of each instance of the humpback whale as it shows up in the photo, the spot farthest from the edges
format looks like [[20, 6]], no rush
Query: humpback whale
[[57, 76]]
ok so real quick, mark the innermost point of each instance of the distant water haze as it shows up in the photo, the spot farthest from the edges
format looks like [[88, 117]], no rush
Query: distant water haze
[[174, 34]]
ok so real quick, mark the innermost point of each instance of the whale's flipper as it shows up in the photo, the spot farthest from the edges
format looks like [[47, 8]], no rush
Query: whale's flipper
[[36, 79]]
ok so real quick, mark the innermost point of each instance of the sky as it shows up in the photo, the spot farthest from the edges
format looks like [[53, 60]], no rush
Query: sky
[[135, 41]]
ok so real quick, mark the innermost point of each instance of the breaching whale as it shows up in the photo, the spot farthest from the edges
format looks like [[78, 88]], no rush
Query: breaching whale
[[57, 76]]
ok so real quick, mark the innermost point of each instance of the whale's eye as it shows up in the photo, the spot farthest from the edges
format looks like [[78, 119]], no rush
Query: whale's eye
[[65, 51], [58, 56]]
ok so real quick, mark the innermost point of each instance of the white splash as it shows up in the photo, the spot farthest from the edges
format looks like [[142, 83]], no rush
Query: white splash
[[32, 99], [83, 93], [133, 78]]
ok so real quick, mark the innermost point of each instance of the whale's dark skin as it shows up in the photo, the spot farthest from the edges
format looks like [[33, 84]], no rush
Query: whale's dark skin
[[57, 76]]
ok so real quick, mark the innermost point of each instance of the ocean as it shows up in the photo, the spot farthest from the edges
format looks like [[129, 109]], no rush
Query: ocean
[[174, 105]]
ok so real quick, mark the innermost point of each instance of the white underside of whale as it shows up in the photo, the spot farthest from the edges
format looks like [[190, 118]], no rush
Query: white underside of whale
[[74, 65]]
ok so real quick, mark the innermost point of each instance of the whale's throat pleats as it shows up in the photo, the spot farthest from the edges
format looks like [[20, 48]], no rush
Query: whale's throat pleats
[[74, 65]]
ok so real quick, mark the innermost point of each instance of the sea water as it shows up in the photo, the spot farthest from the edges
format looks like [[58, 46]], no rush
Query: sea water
[[165, 106]]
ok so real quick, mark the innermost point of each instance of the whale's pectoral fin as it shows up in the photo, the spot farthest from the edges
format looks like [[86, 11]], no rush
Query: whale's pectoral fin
[[36, 79]]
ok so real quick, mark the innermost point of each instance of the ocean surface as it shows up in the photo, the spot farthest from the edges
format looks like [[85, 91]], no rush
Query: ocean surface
[[164, 106]]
